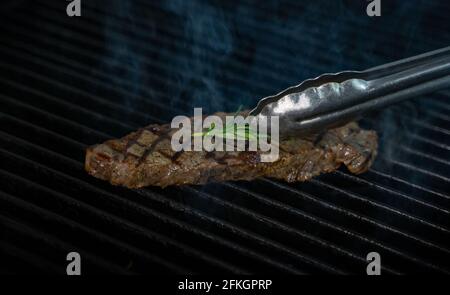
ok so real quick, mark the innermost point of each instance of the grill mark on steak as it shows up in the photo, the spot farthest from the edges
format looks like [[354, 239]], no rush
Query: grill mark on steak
[[164, 133], [299, 160], [134, 141], [176, 156]]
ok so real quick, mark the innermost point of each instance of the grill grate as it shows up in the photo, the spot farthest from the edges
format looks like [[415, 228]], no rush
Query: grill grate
[[79, 81]]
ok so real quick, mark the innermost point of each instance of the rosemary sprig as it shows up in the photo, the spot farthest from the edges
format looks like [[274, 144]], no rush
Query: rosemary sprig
[[234, 132]]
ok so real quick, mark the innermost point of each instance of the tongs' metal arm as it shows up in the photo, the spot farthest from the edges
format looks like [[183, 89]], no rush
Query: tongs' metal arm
[[341, 116], [410, 62], [404, 74], [334, 99]]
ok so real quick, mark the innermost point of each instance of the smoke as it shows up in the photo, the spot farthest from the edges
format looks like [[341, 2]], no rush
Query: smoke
[[121, 60], [206, 46], [394, 127]]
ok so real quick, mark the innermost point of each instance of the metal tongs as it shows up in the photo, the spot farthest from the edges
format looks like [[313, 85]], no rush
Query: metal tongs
[[334, 99]]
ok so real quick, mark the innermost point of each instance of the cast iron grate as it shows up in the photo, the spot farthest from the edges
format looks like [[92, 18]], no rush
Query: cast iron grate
[[71, 82]]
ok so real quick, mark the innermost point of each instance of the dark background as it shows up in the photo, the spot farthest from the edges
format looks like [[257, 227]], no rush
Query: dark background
[[66, 83]]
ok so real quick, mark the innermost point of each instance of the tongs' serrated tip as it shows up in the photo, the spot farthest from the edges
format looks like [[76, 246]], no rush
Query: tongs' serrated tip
[[308, 83]]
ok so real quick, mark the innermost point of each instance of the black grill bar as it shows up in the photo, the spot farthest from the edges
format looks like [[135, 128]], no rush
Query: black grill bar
[[302, 214], [351, 214], [25, 183], [382, 189], [56, 105], [51, 240], [389, 209], [20, 254], [399, 180], [109, 219]]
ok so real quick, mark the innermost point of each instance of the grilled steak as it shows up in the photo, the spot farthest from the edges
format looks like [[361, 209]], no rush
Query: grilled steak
[[145, 157]]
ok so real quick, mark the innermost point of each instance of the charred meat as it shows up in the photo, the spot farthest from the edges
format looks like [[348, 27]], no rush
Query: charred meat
[[145, 158]]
